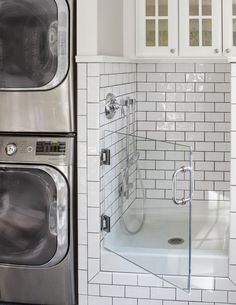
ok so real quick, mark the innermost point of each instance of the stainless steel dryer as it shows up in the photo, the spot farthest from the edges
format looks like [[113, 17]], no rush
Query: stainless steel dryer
[[36, 66], [36, 223]]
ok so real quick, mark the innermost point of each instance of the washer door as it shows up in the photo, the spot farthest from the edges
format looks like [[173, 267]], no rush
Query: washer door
[[33, 44], [33, 215]]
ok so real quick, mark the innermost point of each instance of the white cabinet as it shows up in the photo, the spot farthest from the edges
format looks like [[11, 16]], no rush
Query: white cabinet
[[157, 28], [229, 26], [200, 28]]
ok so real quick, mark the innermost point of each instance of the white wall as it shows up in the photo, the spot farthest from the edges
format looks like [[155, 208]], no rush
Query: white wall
[[100, 27], [129, 28], [87, 27], [110, 27]]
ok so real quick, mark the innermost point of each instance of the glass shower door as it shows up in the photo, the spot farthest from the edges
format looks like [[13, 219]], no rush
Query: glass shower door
[[148, 217]]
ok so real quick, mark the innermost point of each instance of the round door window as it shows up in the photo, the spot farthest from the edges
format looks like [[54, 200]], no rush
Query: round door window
[[31, 43], [28, 216]]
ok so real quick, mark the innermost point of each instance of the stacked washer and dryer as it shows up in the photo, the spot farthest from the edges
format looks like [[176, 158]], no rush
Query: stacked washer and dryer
[[37, 145]]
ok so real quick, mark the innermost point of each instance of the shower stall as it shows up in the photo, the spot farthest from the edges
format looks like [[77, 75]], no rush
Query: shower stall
[[150, 217]]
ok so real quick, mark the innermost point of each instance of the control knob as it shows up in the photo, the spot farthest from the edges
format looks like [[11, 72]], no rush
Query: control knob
[[11, 149]]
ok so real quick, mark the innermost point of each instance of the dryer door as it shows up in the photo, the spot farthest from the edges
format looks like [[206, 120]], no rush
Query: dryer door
[[33, 44], [33, 215]]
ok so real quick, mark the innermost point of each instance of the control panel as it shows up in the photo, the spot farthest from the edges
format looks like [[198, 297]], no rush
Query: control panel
[[42, 148], [53, 150], [50, 148]]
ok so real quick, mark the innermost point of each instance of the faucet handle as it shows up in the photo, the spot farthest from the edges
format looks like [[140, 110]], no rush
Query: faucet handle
[[111, 106]]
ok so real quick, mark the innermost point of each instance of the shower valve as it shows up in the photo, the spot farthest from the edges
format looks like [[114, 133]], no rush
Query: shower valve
[[111, 106]]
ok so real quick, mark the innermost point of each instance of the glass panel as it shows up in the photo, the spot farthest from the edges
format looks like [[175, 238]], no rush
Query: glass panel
[[207, 32], [234, 7], [28, 201], [147, 227], [150, 8], [163, 7], [193, 7], [194, 32], [150, 33], [206, 8], [28, 43], [234, 32], [163, 33]]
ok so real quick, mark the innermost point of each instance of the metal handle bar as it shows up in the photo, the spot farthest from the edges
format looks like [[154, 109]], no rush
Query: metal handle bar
[[182, 201]]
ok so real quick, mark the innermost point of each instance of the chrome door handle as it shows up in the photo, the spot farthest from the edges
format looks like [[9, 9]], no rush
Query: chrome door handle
[[182, 201]]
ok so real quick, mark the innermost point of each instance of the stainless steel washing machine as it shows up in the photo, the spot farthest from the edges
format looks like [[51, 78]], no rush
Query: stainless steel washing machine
[[36, 220], [37, 66]]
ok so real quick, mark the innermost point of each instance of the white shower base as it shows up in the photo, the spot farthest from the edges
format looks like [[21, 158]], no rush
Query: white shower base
[[150, 249]]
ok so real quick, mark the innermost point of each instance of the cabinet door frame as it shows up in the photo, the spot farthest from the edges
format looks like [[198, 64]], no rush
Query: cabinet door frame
[[200, 51], [228, 29], [141, 48]]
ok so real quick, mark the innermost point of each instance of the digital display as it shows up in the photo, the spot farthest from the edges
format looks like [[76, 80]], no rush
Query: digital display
[[50, 148]]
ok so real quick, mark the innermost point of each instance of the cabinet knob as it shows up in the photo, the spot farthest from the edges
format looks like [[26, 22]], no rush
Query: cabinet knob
[[227, 50], [172, 51], [217, 51]]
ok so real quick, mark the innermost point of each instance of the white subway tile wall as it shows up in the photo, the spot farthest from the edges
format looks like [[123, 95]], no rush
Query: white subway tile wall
[[232, 269], [191, 112], [179, 102], [120, 81]]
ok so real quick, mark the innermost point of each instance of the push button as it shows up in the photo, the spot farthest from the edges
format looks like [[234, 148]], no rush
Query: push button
[[29, 149]]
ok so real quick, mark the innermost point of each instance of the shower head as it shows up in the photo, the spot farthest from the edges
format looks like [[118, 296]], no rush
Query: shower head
[[134, 158]]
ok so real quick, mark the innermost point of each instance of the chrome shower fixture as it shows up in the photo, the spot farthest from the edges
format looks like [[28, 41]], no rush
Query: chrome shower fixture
[[125, 186], [134, 158], [112, 105]]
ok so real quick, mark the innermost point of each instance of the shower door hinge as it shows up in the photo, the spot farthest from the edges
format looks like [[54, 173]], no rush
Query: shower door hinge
[[105, 223], [105, 158]]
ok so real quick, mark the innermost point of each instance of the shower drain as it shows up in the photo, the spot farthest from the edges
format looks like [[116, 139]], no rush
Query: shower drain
[[176, 241]]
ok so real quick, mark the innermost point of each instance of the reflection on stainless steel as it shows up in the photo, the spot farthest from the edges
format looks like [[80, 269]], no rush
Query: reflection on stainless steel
[[53, 37], [36, 223]]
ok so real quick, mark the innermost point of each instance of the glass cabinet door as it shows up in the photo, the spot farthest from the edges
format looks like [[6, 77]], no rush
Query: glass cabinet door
[[33, 44], [229, 27], [157, 27], [200, 28]]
